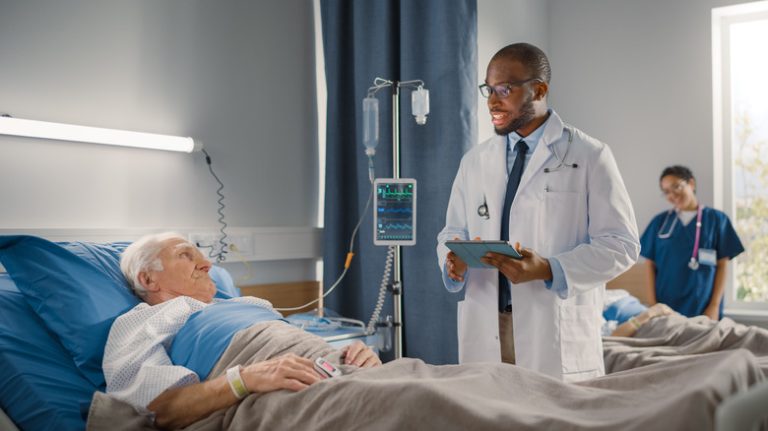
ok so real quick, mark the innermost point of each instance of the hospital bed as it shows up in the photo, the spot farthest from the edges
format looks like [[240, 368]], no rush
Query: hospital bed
[[82, 276], [671, 337], [63, 294]]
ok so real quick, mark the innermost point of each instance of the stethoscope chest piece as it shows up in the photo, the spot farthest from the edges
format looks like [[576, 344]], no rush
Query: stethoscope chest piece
[[482, 210], [693, 264]]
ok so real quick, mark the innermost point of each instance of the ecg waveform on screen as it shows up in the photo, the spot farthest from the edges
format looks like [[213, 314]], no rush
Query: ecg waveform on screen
[[395, 212], [385, 211], [387, 193], [396, 226]]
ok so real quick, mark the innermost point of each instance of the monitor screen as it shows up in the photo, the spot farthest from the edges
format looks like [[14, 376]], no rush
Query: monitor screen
[[395, 211]]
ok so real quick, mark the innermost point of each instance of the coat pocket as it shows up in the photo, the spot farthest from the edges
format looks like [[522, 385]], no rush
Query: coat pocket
[[580, 344], [565, 220]]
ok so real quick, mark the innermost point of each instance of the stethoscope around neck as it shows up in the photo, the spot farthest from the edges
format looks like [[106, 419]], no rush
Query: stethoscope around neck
[[482, 210], [694, 262], [561, 163]]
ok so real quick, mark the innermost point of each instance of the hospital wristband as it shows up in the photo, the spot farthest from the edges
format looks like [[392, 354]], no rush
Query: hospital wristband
[[635, 323], [236, 382]]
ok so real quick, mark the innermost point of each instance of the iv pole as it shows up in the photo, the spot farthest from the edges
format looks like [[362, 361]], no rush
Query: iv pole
[[397, 284]]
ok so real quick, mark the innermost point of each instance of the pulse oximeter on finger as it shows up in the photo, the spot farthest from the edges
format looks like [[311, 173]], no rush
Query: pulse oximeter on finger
[[326, 368]]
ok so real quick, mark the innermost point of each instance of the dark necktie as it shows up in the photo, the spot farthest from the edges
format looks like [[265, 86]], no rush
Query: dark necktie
[[512, 183]]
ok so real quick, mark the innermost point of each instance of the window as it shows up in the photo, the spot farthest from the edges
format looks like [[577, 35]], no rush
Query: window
[[740, 108]]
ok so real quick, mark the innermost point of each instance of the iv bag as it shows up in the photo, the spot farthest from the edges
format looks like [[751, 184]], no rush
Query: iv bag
[[420, 105], [370, 123]]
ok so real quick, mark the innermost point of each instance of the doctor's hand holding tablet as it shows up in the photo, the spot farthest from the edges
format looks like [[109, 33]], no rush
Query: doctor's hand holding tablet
[[518, 264]]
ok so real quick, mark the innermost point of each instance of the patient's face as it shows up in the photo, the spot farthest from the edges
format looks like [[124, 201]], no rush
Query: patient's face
[[185, 272]]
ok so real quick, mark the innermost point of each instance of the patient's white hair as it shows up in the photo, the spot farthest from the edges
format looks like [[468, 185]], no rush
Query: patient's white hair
[[144, 255]]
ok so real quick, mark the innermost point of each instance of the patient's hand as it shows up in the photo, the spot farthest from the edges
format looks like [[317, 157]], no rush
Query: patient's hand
[[360, 355], [285, 372], [659, 309]]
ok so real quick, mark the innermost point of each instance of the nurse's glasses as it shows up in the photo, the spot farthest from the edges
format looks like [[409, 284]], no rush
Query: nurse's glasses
[[502, 90], [675, 189]]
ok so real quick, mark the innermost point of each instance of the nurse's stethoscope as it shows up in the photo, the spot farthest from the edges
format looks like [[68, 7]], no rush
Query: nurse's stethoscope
[[482, 210], [694, 262]]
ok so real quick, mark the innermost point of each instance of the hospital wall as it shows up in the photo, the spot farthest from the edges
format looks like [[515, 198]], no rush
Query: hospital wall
[[634, 74], [638, 76], [499, 23], [236, 74]]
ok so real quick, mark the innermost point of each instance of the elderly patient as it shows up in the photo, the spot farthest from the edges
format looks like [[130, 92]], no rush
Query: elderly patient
[[171, 276]]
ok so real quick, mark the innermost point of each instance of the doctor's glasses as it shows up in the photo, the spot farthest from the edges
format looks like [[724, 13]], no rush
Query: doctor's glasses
[[502, 90]]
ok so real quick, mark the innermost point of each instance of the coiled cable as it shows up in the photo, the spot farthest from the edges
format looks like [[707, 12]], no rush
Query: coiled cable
[[382, 289], [223, 246]]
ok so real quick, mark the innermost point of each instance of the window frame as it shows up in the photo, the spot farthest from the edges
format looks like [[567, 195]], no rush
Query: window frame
[[722, 20]]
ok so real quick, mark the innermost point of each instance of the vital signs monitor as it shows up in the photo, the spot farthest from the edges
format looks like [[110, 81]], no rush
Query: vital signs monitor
[[394, 217]]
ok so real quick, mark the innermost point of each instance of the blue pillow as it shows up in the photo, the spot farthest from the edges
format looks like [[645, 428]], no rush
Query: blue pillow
[[225, 287], [40, 386], [623, 309], [77, 289]]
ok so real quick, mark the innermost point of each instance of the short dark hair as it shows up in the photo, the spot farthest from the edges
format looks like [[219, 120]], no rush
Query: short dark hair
[[530, 56], [679, 171]]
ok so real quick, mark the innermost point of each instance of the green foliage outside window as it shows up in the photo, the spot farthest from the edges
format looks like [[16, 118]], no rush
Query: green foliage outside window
[[751, 174]]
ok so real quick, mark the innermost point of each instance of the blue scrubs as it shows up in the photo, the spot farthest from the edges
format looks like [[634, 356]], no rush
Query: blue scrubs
[[687, 291]]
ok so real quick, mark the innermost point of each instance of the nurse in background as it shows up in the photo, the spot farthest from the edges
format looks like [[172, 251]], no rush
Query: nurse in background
[[687, 249]]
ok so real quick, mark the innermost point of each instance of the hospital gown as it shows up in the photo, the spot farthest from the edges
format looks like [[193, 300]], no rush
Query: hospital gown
[[137, 366], [685, 290]]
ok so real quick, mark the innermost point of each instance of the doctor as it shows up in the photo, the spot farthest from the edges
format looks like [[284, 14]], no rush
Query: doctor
[[558, 193]]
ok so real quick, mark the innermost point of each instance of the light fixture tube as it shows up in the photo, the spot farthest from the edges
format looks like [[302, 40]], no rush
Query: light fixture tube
[[96, 135]]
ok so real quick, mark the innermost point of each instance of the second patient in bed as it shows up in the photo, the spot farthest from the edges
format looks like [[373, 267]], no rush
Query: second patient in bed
[[624, 314], [171, 276]]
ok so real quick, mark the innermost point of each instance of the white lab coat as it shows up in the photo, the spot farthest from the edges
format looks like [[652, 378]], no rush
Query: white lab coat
[[582, 216]]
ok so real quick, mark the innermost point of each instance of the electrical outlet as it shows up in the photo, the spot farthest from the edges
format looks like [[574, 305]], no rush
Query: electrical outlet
[[237, 245], [241, 245], [204, 240]]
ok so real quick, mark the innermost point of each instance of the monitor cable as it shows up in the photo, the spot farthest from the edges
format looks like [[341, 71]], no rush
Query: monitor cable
[[223, 247]]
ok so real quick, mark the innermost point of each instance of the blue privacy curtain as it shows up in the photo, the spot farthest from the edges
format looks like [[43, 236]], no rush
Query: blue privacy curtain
[[431, 40]]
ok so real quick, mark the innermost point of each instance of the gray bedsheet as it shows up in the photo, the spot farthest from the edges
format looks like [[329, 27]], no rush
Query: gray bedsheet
[[408, 394], [675, 336]]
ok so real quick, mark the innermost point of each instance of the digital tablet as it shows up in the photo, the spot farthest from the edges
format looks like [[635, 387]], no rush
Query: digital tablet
[[471, 251]]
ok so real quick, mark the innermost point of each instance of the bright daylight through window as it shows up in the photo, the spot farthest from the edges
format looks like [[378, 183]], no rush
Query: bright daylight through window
[[749, 154]]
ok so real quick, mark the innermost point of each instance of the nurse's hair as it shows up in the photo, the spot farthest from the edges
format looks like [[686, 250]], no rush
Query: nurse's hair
[[678, 171], [143, 255], [530, 56]]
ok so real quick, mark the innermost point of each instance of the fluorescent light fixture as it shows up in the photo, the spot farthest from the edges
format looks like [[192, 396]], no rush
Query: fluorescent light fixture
[[96, 135]]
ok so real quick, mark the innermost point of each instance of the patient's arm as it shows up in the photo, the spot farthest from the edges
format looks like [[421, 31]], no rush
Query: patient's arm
[[179, 407], [629, 328]]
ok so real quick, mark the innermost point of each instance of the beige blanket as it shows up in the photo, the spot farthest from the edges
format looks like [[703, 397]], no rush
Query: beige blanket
[[675, 336], [408, 394]]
